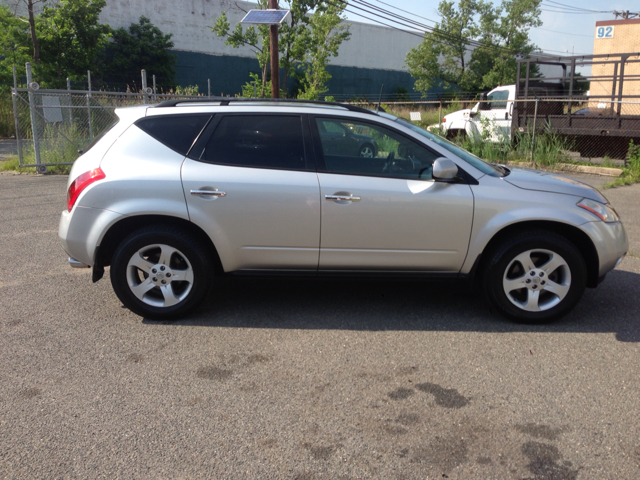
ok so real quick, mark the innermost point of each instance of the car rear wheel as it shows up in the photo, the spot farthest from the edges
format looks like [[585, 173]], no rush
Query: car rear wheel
[[535, 277], [161, 273], [367, 150]]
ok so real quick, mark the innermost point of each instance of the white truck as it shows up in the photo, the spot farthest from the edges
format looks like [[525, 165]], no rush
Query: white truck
[[595, 114], [490, 118]]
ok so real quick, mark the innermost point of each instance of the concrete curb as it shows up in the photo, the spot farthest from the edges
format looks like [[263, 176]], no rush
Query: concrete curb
[[568, 167]]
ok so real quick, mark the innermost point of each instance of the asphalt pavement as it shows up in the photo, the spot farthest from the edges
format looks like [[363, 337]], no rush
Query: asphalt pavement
[[313, 379]]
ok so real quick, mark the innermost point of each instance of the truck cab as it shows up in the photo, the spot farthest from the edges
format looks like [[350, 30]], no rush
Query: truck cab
[[489, 119]]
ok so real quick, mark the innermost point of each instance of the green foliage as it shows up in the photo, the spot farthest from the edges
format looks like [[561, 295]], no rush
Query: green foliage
[[304, 46], [256, 87], [444, 58], [7, 123], [141, 46], [71, 38], [14, 49], [631, 172], [322, 40], [256, 37], [188, 90]]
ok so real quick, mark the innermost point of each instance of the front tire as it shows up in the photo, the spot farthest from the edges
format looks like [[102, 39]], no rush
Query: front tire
[[161, 273], [535, 277]]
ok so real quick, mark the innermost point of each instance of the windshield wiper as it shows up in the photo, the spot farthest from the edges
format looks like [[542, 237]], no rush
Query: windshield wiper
[[502, 169]]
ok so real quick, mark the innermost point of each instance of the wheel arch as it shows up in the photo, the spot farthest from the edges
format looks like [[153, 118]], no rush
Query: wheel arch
[[121, 229], [573, 234]]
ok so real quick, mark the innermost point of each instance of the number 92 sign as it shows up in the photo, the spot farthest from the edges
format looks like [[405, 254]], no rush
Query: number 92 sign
[[604, 32]]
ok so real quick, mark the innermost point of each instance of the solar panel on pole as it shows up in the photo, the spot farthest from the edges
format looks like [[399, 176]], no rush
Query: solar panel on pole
[[267, 17]]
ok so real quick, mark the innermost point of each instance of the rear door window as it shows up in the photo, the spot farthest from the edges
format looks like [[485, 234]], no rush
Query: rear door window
[[178, 132], [258, 141]]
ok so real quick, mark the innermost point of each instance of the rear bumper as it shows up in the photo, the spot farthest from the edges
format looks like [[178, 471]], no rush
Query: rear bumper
[[73, 263], [81, 230]]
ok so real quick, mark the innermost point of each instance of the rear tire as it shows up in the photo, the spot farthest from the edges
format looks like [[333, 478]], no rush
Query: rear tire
[[161, 272], [535, 277]]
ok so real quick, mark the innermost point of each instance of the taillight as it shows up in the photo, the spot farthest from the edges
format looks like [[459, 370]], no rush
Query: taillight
[[82, 182], [444, 120]]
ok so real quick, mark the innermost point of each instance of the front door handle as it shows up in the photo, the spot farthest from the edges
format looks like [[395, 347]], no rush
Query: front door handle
[[208, 193], [342, 198]]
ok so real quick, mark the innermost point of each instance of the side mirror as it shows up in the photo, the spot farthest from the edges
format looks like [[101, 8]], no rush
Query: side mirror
[[484, 105], [444, 170]]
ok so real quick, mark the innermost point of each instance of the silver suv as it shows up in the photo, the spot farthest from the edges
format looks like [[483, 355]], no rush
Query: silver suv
[[178, 193]]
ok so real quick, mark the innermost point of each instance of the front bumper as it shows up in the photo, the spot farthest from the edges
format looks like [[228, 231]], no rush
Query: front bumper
[[611, 242]]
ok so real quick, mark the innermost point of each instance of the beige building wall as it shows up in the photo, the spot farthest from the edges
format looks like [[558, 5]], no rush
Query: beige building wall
[[625, 38]]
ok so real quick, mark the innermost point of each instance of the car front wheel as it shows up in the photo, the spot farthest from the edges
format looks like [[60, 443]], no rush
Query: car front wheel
[[535, 277], [161, 273]]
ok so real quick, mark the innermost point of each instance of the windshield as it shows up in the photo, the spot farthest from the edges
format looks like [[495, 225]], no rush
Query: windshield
[[478, 163]]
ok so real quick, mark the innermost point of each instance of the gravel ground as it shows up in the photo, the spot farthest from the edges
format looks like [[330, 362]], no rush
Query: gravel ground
[[306, 379]]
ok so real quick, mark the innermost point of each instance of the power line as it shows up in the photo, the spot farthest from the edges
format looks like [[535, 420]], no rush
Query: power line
[[468, 44], [577, 8], [564, 33]]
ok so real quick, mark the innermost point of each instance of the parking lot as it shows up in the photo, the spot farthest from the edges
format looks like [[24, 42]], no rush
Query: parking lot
[[311, 379]]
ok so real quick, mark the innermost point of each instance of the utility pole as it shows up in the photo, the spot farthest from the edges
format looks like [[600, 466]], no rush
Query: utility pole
[[275, 64]]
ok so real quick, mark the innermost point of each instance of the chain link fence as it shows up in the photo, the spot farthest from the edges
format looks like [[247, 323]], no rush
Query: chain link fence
[[53, 126]]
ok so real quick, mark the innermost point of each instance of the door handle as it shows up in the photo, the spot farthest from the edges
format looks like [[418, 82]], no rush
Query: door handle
[[208, 193], [342, 198]]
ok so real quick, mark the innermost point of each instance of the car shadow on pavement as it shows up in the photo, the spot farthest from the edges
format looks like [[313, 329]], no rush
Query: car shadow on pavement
[[375, 305]]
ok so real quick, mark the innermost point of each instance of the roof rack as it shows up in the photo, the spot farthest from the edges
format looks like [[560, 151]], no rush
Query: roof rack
[[228, 100]]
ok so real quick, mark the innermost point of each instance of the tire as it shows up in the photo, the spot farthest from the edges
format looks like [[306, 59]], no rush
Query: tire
[[535, 277], [367, 151], [459, 135], [161, 272]]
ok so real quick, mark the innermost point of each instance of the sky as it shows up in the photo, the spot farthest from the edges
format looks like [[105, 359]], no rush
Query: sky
[[560, 34]]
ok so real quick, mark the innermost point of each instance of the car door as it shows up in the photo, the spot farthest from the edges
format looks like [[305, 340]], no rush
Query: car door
[[386, 213], [249, 184]]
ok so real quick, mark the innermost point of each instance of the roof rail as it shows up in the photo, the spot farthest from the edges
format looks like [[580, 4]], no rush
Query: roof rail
[[228, 100]]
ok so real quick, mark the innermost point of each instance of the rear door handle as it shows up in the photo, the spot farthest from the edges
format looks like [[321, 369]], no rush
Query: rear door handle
[[208, 193], [342, 198]]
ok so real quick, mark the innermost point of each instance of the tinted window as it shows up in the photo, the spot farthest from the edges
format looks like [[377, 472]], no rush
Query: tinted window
[[177, 132], [262, 141], [360, 148]]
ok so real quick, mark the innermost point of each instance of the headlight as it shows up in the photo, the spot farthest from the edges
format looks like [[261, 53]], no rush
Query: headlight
[[603, 212]]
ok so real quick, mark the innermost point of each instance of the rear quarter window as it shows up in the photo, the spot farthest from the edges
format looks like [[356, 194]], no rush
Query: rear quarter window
[[178, 132]]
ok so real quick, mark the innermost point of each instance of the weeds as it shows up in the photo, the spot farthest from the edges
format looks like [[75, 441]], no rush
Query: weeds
[[548, 151], [631, 172]]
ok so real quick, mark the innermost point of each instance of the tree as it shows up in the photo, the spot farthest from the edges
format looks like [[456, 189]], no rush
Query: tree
[[255, 37], [142, 45], [475, 45], [71, 38], [30, 5], [443, 57], [297, 41], [505, 32], [13, 46], [322, 39]]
